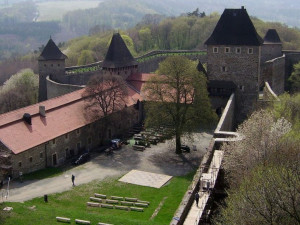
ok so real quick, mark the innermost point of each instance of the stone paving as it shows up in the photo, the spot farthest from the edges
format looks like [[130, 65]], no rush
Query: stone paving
[[159, 158], [145, 178]]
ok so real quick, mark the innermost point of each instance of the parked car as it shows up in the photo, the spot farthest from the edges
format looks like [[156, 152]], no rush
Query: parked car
[[185, 148], [82, 159]]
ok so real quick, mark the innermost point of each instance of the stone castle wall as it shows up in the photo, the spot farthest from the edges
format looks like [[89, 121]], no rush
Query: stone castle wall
[[273, 72], [270, 51]]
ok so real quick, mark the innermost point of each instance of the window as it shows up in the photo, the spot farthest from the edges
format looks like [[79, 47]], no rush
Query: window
[[78, 131], [66, 136], [227, 49], [238, 50], [215, 49], [78, 146], [241, 87], [45, 65], [67, 153], [54, 141], [30, 159], [250, 50], [224, 68], [58, 65], [119, 126], [20, 164], [41, 155]]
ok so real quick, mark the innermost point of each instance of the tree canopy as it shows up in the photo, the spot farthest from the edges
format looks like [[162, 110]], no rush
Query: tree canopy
[[177, 97]]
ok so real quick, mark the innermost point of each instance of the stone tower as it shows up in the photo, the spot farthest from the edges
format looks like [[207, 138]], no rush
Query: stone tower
[[118, 59], [272, 46], [233, 54], [51, 63]]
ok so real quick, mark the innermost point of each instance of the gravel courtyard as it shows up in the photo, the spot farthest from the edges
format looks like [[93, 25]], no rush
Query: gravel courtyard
[[159, 158]]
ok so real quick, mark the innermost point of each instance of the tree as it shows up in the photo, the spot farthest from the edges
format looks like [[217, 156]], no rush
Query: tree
[[19, 91], [105, 95], [294, 79], [177, 97]]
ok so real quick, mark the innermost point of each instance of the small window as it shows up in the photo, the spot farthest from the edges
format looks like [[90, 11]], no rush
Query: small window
[[250, 50], [54, 141], [58, 65], [89, 140], [241, 87], [67, 152], [227, 49], [66, 136], [224, 68], [30, 159], [41, 155], [78, 131], [119, 126], [78, 146], [238, 50], [45, 65], [20, 164], [215, 49]]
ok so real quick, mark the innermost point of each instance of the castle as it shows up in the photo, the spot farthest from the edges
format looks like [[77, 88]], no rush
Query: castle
[[238, 61]]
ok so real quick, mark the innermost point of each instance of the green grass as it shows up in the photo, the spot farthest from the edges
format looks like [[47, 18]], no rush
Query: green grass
[[72, 204], [44, 173]]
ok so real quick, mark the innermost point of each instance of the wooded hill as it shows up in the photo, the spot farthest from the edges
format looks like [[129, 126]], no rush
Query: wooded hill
[[184, 32]]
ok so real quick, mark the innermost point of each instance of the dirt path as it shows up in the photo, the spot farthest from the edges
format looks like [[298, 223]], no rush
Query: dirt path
[[157, 159]]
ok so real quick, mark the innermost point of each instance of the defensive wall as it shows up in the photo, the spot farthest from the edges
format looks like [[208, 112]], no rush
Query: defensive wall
[[76, 77], [291, 58], [223, 133], [272, 71]]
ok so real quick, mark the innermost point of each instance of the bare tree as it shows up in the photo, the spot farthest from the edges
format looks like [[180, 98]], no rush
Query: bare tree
[[105, 95]]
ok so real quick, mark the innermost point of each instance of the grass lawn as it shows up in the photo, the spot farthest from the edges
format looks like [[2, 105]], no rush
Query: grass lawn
[[72, 204], [44, 173]]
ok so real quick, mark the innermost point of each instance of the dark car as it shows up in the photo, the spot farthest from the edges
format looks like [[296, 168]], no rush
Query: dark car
[[185, 148], [82, 158]]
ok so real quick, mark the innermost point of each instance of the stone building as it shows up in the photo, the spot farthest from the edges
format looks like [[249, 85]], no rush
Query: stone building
[[49, 133], [233, 54]]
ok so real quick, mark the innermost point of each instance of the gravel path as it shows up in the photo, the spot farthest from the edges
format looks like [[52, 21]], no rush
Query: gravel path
[[159, 158]]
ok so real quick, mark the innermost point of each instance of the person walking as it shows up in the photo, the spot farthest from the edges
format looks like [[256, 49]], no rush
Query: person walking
[[197, 198], [73, 180]]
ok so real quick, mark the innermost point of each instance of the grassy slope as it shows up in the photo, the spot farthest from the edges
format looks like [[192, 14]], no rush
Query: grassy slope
[[72, 204]]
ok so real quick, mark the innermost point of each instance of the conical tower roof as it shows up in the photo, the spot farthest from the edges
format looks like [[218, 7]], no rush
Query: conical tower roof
[[51, 52], [272, 37], [118, 54], [234, 28]]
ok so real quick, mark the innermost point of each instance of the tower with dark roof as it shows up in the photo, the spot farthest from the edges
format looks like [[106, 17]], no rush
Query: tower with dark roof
[[233, 54], [118, 59], [51, 63], [272, 46]]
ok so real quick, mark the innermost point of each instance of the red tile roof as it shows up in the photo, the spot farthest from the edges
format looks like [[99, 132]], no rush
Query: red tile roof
[[63, 114]]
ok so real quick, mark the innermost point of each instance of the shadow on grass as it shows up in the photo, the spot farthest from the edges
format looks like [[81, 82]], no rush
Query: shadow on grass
[[44, 173]]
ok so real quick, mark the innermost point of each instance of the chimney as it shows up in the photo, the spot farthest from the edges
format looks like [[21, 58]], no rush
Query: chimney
[[27, 118], [42, 110], [243, 7]]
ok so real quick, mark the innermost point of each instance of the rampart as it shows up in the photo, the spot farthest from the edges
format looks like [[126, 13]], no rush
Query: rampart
[[149, 62], [273, 72], [223, 133]]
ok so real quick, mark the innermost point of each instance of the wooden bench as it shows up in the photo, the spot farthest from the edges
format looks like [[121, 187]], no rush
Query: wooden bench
[[117, 198], [96, 199], [104, 224], [131, 199], [63, 219], [107, 206], [100, 196], [77, 221], [127, 203], [121, 207], [140, 204], [145, 202], [138, 147], [110, 201], [93, 204], [137, 209]]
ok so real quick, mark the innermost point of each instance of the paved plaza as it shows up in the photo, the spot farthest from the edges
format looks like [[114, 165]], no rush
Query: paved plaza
[[160, 158]]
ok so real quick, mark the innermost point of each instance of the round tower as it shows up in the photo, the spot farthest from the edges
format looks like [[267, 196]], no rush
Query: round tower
[[51, 63]]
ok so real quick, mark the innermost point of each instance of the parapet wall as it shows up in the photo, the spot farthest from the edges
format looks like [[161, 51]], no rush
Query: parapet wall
[[273, 72]]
